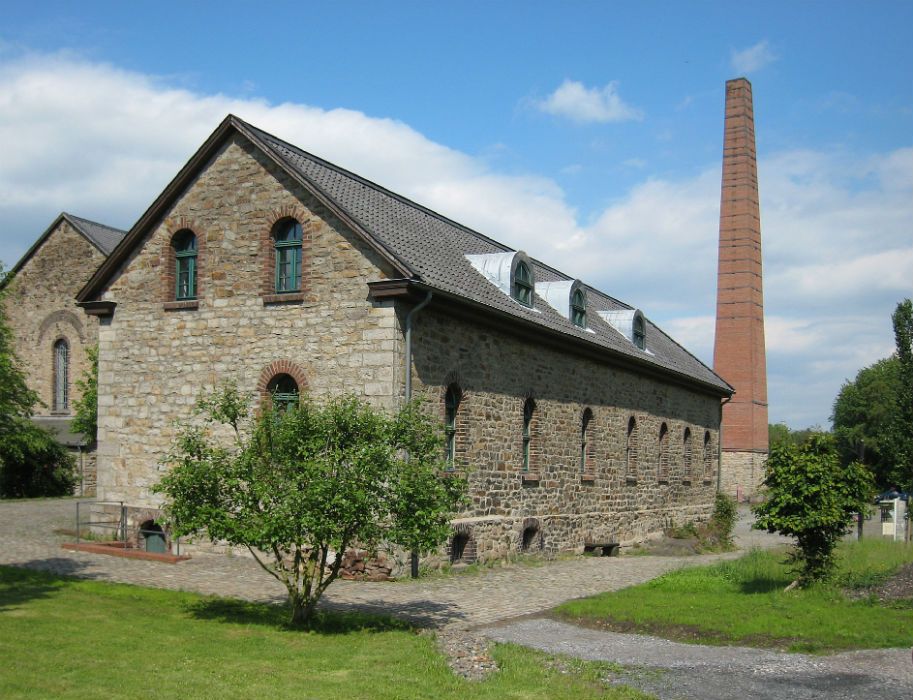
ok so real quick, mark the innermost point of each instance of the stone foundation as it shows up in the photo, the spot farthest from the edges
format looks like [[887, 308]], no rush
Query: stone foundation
[[743, 474]]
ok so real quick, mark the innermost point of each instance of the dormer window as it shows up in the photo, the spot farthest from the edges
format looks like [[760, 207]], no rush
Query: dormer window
[[630, 323], [523, 284], [640, 336], [578, 308]]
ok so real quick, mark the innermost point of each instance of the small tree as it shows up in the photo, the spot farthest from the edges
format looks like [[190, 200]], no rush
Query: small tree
[[811, 497], [85, 418], [301, 487]]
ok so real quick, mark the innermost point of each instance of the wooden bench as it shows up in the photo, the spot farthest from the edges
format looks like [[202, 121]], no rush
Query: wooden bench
[[608, 549]]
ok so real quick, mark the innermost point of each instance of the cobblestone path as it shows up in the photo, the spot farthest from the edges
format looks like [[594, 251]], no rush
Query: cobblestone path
[[27, 539]]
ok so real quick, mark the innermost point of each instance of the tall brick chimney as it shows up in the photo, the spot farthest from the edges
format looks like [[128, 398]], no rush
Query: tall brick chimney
[[738, 352]]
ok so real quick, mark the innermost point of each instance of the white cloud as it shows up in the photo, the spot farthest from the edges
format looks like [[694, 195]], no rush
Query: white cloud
[[838, 251], [582, 104], [752, 59]]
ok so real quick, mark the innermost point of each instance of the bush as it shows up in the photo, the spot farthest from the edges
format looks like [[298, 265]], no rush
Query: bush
[[33, 464], [725, 513]]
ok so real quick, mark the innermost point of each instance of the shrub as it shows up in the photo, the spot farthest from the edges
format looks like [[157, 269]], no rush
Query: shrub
[[33, 464]]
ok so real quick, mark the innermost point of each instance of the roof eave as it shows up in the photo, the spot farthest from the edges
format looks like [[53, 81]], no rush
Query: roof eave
[[411, 290]]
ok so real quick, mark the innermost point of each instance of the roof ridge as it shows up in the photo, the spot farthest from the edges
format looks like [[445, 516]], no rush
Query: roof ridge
[[377, 187], [82, 219]]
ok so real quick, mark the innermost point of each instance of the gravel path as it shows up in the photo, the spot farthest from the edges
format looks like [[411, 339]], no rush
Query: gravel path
[[674, 670]]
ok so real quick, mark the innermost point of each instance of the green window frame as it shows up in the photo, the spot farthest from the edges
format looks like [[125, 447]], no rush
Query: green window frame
[[578, 308], [523, 284], [287, 240], [284, 393], [185, 266], [640, 335], [451, 406], [529, 409]]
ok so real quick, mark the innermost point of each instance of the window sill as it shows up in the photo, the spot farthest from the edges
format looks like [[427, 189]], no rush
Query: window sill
[[530, 478], [587, 478], [290, 298], [181, 305], [458, 473]]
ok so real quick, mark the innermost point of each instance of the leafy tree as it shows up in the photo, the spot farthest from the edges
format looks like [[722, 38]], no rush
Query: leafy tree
[[812, 497], [865, 419], [299, 488], [903, 424], [32, 463], [85, 418], [780, 432]]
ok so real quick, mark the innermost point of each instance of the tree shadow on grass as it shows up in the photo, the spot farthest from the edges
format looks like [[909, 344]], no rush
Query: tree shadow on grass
[[277, 616], [35, 579], [331, 618], [763, 585]]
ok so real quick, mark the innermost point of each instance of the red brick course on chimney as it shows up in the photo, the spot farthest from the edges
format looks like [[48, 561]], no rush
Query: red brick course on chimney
[[739, 354]]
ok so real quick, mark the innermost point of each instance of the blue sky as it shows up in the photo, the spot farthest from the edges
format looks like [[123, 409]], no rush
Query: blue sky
[[588, 134]]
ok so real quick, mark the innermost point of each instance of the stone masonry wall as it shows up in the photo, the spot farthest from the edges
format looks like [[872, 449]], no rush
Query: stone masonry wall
[[560, 505], [156, 357], [41, 308], [742, 474]]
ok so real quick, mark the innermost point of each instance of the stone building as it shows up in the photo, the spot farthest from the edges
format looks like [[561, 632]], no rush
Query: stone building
[[576, 419], [51, 334]]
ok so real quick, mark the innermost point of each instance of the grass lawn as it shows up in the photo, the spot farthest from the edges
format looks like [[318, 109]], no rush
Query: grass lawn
[[65, 638], [742, 602]]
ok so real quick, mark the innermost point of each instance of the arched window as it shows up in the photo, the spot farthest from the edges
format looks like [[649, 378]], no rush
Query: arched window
[[61, 375], [451, 406], [662, 473], [708, 456], [523, 284], [631, 449], [638, 332], [686, 454], [586, 448], [529, 410], [185, 265], [578, 308], [287, 239], [283, 391]]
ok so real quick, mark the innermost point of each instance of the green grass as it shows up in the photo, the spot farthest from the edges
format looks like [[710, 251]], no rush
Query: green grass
[[66, 638], [743, 602]]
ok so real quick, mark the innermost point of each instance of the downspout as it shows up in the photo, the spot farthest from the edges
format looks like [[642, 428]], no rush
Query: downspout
[[409, 316], [719, 448], [408, 382]]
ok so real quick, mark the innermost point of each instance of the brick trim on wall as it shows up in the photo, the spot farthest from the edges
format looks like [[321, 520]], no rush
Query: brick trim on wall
[[168, 263], [268, 254], [276, 368]]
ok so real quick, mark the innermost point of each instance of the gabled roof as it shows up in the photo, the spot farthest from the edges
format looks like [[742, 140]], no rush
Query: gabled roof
[[104, 238], [427, 249]]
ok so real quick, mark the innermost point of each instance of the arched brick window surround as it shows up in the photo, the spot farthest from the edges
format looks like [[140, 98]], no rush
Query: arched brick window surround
[[632, 449], [276, 368], [708, 456], [462, 547], [168, 263], [530, 442], [662, 473], [530, 538], [687, 450], [268, 254], [587, 443]]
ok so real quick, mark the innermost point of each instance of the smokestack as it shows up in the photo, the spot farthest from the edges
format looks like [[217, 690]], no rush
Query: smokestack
[[739, 353]]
